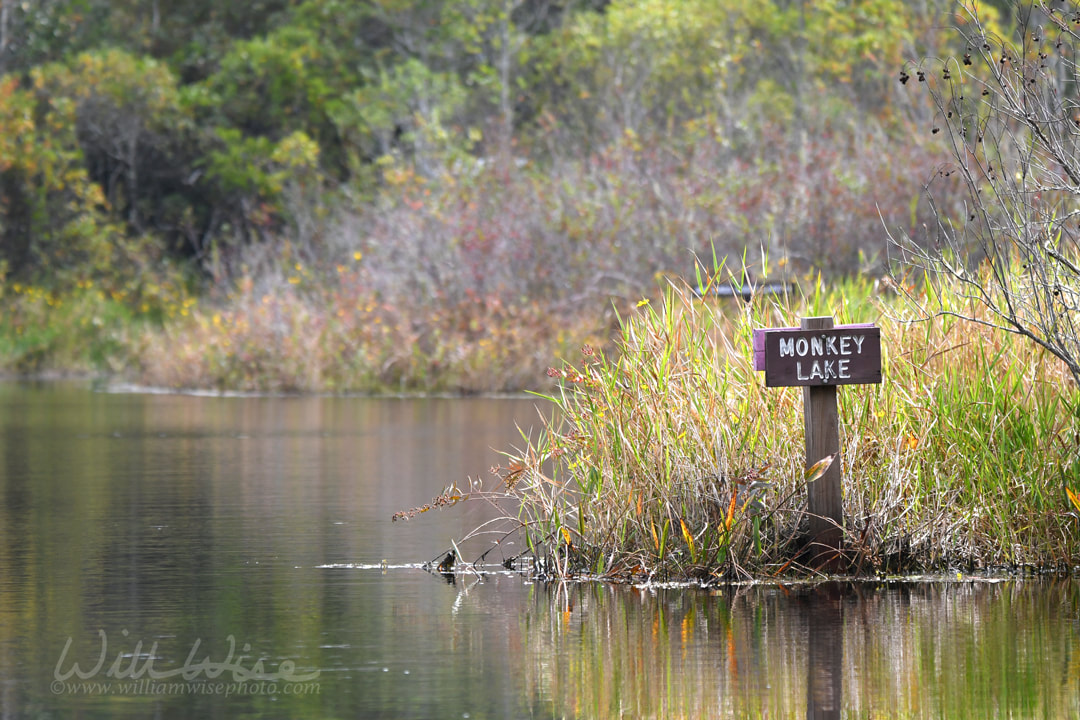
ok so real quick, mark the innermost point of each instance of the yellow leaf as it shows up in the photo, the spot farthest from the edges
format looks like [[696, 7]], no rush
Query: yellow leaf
[[1073, 498], [689, 540], [818, 469]]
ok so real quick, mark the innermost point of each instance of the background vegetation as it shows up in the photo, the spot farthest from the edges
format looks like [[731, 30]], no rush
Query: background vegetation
[[393, 170], [426, 195]]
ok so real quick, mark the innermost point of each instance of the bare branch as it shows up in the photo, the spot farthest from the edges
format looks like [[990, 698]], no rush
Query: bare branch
[[1010, 115]]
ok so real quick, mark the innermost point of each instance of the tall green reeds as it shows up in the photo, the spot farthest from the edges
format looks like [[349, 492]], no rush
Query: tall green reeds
[[672, 460]]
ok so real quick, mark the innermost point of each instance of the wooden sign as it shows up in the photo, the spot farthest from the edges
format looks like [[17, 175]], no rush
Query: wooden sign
[[818, 357], [841, 356]]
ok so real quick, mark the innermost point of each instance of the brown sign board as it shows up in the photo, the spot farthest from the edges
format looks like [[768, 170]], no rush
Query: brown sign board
[[842, 355]]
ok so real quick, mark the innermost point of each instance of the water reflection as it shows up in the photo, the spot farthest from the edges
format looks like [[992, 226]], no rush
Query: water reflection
[[824, 613], [836, 650]]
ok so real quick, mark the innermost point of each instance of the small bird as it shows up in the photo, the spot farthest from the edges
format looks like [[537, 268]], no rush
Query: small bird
[[447, 565]]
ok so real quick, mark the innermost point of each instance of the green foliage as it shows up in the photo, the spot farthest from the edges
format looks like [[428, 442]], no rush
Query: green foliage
[[41, 32], [836, 41], [241, 166], [651, 65], [129, 122], [182, 147], [80, 151], [405, 106], [269, 87], [78, 331], [87, 326], [52, 218], [254, 172], [638, 64], [192, 34]]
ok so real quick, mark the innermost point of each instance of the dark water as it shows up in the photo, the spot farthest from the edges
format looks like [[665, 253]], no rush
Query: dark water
[[173, 556]]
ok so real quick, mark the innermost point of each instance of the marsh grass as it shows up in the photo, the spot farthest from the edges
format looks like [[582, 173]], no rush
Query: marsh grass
[[670, 459], [311, 333]]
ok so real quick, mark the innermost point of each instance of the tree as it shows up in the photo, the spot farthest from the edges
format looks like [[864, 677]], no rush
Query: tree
[[52, 223], [1009, 112], [127, 117]]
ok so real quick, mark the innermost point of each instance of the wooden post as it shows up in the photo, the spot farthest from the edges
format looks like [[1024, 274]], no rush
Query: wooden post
[[822, 423], [825, 658], [817, 357]]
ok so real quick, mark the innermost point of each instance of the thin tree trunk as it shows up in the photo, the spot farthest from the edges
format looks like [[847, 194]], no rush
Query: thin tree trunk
[[5, 20]]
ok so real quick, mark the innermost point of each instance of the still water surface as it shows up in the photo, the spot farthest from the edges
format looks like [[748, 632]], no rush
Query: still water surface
[[177, 556]]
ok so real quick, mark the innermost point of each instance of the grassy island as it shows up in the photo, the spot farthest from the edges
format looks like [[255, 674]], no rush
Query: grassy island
[[672, 460]]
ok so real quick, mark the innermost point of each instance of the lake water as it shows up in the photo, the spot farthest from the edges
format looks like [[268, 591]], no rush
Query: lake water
[[175, 556]]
